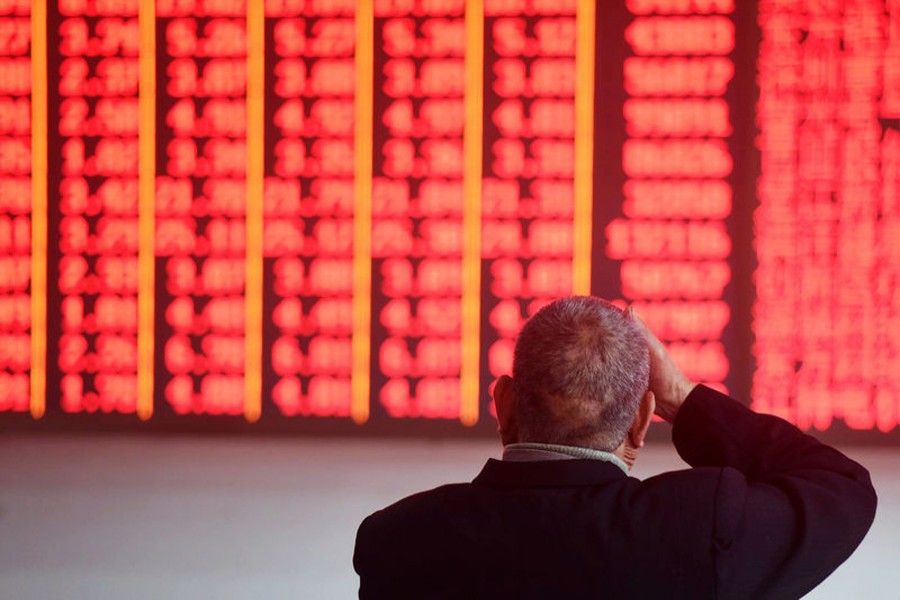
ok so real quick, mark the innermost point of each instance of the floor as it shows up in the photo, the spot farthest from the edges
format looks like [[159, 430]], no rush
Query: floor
[[216, 517]]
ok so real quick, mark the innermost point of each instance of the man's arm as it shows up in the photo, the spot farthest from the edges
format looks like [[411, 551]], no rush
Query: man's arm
[[788, 509]]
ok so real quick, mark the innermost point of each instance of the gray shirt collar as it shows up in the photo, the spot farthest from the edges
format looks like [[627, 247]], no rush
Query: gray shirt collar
[[525, 451]]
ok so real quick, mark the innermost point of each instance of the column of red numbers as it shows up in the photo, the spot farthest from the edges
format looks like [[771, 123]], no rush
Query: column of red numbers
[[201, 203], [309, 206], [98, 193], [15, 205], [528, 204], [672, 240], [417, 206], [827, 225]]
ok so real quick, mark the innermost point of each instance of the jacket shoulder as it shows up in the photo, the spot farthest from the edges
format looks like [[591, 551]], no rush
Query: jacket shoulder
[[421, 504]]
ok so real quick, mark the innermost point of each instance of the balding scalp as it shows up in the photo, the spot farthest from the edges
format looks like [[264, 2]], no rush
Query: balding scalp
[[579, 371]]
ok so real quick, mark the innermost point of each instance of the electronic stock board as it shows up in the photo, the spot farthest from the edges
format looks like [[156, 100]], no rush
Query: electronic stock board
[[330, 215]]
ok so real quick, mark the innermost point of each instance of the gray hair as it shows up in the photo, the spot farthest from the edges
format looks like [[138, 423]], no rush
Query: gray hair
[[579, 371]]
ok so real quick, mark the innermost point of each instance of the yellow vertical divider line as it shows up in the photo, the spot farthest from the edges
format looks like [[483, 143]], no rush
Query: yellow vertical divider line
[[146, 206], [253, 299], [38, 375], [472, 180], [585, 38], [360, 379]]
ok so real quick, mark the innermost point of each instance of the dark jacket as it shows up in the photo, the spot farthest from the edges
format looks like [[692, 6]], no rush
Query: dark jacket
[[765, 512]]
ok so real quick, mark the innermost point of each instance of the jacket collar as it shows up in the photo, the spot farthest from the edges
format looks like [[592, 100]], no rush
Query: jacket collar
[[525, 451], [547, 473]]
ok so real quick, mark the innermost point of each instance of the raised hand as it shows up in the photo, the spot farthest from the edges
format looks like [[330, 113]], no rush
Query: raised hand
[[667, 382]]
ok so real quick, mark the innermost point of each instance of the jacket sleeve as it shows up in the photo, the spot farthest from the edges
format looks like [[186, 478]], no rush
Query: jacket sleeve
[[788, 509]]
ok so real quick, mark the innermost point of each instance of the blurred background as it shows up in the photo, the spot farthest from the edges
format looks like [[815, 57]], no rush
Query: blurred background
[[235, 518], [260, 263]]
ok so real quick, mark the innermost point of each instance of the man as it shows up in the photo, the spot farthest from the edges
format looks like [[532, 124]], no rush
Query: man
[[765, 511]]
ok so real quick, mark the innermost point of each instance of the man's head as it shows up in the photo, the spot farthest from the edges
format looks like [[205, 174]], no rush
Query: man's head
[[580, 372]]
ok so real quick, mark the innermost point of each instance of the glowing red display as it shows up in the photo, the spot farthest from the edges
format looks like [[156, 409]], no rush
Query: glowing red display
[[826, 318], [672, 243], [261, 198], [201, 205], [97, 218], [527, 240], [309, 207], [417, 207], [15, 207]]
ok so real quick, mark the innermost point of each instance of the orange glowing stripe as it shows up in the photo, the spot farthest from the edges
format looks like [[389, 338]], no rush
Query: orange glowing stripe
[[362, 213], [146, 206], [253, 301], [38, 402], [472, 151], [584, 146]]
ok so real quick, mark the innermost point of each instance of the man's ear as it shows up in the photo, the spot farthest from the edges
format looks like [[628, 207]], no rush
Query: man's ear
[[505, 403], [642, 419]]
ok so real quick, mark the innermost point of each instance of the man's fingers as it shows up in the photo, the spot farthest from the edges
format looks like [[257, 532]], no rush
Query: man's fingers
[[652, 340], [667, 382]]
